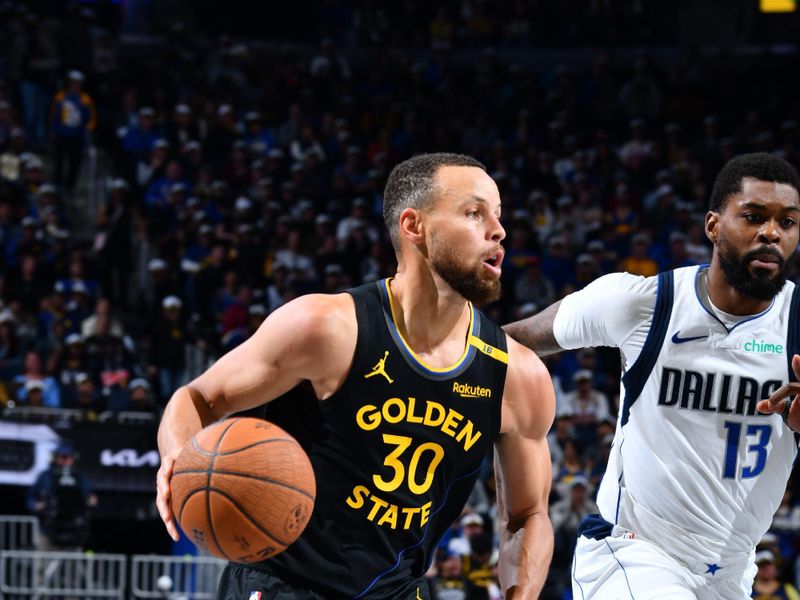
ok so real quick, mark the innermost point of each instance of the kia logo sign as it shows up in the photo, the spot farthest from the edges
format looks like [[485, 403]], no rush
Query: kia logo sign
[[129, 458]]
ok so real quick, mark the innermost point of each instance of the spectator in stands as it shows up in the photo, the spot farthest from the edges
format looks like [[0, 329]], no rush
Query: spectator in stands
[[639, 263], [113, 242], [102, 321], [449, 581], [34, 378], [168, 348], [587, 405], [141, 398], [70, 360], [61, 497], [767, 584], [73, 121], [572, 465], [86, 397]]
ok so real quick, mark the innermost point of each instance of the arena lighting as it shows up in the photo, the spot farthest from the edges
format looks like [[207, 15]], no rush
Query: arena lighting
[[777, 6]]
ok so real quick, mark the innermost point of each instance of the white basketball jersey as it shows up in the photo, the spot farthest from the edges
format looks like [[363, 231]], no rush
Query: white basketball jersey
[[694, 467]]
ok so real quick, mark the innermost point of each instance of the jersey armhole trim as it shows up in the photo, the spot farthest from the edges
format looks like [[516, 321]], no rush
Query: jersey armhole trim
[[635, 378]]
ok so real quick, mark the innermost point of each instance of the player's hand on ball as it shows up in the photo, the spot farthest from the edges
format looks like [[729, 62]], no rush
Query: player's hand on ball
[[782, 400], [163, 498]]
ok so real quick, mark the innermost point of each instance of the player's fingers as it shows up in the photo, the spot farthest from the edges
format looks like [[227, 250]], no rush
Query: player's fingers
[[783, 392], [163, 496], [165, 512], [796, 365]]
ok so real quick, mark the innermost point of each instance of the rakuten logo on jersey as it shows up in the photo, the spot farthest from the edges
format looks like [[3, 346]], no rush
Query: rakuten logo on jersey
[[129, 457]]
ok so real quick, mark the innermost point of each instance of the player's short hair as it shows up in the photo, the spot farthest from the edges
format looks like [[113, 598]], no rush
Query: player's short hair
[[758, 165], [412, 184]]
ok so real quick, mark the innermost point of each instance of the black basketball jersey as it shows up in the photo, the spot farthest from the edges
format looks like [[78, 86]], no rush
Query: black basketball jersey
[[396, 452]]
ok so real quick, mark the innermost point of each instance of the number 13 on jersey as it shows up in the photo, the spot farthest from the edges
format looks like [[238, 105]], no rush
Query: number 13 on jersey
[[756, 438]]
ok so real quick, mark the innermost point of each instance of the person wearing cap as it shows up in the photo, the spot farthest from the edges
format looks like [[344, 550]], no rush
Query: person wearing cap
[[34, 378], [73, 119], [706, 434], [182, 127], [587, 406], [62, 497], [139, 139], [114, 242], [169, 337], [257, 136], [141, 398], [71, 360], [768, 584], [449, 581]]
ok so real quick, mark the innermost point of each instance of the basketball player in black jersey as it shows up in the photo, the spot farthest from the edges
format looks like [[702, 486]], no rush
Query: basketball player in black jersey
[[413, 386]]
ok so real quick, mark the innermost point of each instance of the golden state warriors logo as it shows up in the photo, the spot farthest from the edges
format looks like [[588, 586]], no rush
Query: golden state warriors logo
[[380, 369]]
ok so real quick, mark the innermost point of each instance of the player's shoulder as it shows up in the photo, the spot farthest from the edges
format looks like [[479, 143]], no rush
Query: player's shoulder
[[625, 283], [319, 316], [528, 398]]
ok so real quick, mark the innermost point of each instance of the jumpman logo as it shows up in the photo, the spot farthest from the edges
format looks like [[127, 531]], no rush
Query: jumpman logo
[[418, 596], [380, 369]]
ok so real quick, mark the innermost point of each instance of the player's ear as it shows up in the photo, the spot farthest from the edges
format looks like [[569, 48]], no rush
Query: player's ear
[[411, 227], [712, 226]]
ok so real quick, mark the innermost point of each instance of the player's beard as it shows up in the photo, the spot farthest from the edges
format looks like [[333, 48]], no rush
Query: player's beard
[[471, 281], [761, 284]]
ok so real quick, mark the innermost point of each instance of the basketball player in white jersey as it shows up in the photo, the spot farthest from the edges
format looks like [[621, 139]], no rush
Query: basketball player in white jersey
[[705, 436]]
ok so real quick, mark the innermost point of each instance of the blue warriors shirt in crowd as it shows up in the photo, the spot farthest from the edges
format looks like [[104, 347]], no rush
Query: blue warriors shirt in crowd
[[396, 452]]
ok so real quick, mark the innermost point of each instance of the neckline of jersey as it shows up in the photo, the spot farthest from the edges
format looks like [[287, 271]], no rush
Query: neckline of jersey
[[410, 351], [701, 270]]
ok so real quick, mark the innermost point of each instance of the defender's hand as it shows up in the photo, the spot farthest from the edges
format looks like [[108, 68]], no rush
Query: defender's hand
[[782, 400], [163, 499]]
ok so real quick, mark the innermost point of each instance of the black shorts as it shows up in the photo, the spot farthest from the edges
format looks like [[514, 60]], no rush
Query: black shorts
[[241, 582]]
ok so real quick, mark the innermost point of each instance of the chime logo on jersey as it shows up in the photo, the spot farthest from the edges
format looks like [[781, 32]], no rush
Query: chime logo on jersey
[[762, 347], [254, 596]]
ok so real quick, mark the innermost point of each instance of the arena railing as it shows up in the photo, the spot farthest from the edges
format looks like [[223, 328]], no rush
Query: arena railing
[[190, 577], [18, 532], [27, 574], [34, 575]]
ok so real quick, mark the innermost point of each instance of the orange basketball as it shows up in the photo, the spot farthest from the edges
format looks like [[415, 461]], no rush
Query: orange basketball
[[243, 489]]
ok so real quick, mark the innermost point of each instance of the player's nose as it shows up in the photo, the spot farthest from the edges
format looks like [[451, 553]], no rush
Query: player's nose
[[770, 231], [495, 229]]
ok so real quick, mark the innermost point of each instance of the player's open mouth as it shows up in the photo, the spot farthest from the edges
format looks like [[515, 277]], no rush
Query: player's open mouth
[[493, 262]]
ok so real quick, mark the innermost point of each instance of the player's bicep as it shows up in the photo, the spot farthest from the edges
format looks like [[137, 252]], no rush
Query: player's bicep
[[605, 312], [523, 457]]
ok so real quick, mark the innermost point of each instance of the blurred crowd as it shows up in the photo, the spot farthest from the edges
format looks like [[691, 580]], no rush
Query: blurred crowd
[[241, 175]]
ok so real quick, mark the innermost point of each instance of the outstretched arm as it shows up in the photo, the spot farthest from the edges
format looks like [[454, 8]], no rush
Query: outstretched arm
[[536, 332], [523, 475], [312, 338]]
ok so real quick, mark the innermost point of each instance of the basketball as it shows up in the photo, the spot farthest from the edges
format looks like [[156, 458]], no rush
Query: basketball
[[243, 489]]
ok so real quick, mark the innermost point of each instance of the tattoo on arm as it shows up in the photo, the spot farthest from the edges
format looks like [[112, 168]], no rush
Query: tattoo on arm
[[536, 332]]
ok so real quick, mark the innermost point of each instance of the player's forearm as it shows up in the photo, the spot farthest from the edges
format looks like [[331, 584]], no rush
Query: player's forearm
[[185, 414], [526, 548], [536, 332]]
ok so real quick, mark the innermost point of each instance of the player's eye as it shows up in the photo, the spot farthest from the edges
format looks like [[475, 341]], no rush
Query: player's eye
[[751, 218]]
